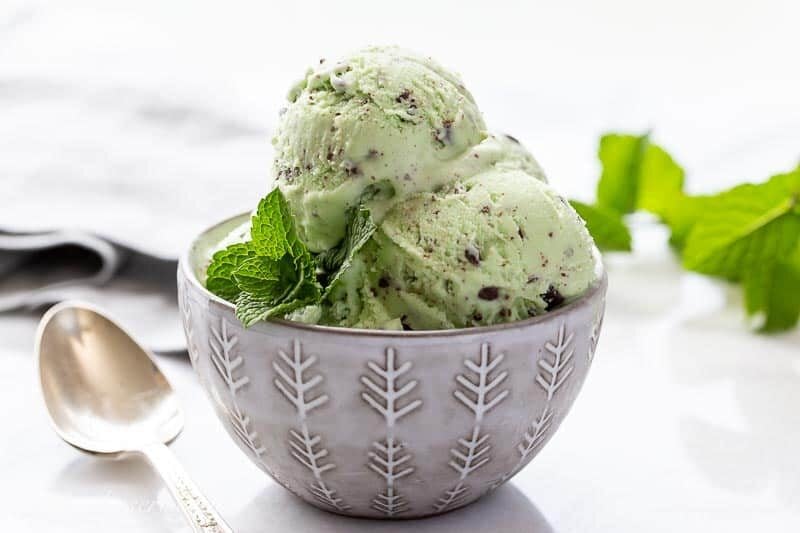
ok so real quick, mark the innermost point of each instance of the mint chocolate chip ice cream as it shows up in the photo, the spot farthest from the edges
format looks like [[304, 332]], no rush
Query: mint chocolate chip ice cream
[[469, 232], [495, 247]]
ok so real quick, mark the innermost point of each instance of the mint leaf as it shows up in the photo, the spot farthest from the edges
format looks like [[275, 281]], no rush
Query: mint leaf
[[272, 227], [637, 174], [265, 278], [680, 215], [337, 260], [748, 234], [273, 231], [251, 308], [621, 157], [745, 227], [605, 225], [219, 275], [777, 295], [751, 233], [660, 181], [270, 275], [774, 292]]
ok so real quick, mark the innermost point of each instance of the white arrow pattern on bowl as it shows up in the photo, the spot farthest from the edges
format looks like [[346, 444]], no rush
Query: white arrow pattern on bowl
[[304, 446], [227, 362], [389, 460], [475, 392], [553, 373]]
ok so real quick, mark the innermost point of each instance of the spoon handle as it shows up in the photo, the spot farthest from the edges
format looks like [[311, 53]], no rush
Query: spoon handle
[[195, 507]]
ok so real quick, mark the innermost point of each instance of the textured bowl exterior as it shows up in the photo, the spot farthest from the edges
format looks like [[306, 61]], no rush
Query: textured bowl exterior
[[389, 424]]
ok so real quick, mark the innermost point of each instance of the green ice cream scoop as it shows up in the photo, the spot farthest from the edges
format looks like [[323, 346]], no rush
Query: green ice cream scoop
[[382, 121], [496, 247]]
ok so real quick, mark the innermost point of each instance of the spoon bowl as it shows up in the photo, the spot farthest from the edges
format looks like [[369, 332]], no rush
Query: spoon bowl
[[105, 395], [103, 391]]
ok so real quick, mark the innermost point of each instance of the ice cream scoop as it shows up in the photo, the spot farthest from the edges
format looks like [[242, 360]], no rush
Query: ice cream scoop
[[497, 247], [381, 117]]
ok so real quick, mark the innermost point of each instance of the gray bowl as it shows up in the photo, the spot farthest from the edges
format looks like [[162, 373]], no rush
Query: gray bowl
[[386, 424]]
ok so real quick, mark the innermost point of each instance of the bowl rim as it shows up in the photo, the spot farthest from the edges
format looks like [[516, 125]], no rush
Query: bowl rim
[[598, 286]]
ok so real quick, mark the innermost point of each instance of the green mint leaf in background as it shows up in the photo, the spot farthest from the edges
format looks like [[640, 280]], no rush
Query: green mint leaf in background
[[773, 294], [660, 180], [680, 216], [636, 174], [779, 300], [745, 227], [751, 233], [606, 227], [621, 157], [746, 234], [219, 275]]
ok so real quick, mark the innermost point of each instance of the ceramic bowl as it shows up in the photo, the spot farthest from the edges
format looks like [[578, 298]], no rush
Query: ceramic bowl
[[386, 424]]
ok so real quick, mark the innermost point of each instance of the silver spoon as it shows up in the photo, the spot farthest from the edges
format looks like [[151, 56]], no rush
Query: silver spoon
[[106, 396]]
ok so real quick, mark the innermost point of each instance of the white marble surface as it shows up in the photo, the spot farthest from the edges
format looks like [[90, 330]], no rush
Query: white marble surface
[[148, 120]]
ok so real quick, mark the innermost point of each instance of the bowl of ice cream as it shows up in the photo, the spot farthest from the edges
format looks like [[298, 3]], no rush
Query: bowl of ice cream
[[406, 318], [382, 423]]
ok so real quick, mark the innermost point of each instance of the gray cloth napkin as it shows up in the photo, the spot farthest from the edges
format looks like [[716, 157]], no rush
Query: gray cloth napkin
[[39, 269]]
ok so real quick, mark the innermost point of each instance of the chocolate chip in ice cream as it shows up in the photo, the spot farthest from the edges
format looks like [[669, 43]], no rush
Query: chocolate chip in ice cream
[[488, 293], [351, 168], [552, 298], [445, 134], [473, 254]]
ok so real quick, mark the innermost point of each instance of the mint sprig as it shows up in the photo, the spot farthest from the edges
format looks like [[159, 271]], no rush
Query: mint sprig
[[270, 275], [749, 234], [274, 273]]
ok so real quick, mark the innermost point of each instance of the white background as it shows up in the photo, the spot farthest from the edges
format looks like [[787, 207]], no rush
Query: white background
[[147, 121]]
